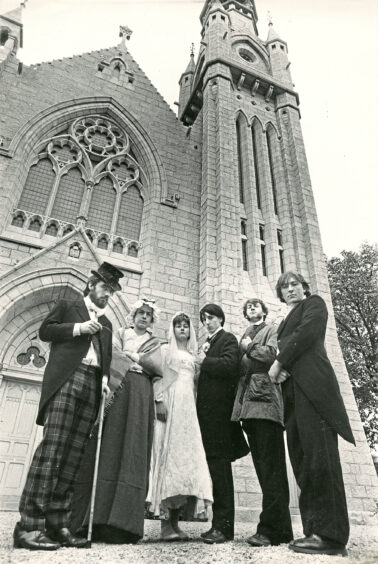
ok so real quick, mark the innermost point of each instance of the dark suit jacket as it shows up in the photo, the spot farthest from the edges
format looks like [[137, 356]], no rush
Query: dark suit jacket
[[215, 398], [67, 351], [301, 351]]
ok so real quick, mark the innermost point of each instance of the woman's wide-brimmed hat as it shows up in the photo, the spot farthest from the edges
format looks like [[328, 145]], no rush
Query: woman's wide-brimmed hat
[[110, 274]]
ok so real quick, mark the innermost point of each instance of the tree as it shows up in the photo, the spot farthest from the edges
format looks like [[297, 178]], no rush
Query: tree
[[354, 288]]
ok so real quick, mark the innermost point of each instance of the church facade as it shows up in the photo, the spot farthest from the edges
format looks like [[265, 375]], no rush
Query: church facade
[[209, 205]]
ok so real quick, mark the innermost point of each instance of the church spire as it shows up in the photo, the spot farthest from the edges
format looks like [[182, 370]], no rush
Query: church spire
[[186, 81], [11, 33], [272, 34]]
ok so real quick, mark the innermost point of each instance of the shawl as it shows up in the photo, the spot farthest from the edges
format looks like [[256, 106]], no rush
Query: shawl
[[149, 359]]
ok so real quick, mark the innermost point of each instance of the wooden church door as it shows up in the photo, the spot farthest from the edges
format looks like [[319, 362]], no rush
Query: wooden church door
[[19, 436]]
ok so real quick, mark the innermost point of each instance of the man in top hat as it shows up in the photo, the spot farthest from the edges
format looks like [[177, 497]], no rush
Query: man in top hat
[[75, 376], [223, 440]]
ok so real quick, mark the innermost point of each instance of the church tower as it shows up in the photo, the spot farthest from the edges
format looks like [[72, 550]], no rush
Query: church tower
[[10, 33], [258, 215]]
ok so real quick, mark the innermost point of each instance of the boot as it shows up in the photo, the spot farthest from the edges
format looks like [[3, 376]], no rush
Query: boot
[[175, 526], [167, 531]]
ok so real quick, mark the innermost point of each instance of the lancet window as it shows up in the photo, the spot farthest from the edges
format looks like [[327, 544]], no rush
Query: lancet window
[[89, 172], [240, 161]]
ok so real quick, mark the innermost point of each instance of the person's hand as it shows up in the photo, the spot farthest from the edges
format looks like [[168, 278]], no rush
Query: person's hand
[[161, 411], [200, 358], [245, 342], [274, 371], [132, 356], [282, 376], [105, 390], [90, 327]]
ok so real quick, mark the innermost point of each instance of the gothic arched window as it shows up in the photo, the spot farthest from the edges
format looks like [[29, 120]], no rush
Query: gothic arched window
[[38, 186], [130, 214], [240, 160], [69, 196], [87, 170], [101, 208], [256, 157]]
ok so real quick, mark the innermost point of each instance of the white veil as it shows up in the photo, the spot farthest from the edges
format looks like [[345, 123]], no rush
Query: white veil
[[172, 343], [171, 357]]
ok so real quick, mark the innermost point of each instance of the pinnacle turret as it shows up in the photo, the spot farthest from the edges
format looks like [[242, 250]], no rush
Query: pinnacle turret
[[273, 35], [11, 30]]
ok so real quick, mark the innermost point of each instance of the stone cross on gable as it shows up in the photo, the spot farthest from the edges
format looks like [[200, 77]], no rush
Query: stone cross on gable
[[125, 32]]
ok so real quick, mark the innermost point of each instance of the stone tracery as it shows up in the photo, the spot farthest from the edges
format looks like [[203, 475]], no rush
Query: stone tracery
[[87, 170]]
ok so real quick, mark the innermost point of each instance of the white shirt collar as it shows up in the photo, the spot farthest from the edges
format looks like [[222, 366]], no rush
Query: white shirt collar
[[90, 305], [215, 332]]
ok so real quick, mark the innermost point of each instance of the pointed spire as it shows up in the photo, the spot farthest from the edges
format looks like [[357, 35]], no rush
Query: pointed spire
[[15, 14], [191, 65], [272, 34], [217, 4]]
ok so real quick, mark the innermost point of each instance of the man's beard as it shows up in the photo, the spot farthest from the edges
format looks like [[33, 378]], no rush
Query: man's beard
[[99, 302]]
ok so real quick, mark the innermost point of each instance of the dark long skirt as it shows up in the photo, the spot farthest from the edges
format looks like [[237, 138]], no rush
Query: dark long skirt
[[124, 466]]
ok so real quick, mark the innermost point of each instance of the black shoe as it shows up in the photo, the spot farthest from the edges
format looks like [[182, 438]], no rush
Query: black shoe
[[207, 533], [66, 538], [216, 537], [314, 544], [33, 540], [259, 540]]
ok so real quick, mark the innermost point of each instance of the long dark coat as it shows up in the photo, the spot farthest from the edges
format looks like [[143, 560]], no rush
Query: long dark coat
[[68, 351], [215, 398], [301, 351]]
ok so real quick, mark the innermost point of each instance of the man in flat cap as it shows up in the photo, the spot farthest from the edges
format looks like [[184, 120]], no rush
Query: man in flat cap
[[76, 374], [223, 440]]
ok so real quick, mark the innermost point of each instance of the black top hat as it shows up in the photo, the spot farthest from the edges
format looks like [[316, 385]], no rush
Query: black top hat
[[109, 274]]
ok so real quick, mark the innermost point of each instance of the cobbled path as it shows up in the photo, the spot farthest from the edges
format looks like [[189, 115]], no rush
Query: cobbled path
[[362, 549]]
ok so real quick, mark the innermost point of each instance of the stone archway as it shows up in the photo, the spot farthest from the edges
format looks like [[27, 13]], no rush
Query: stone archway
[[25, 300]]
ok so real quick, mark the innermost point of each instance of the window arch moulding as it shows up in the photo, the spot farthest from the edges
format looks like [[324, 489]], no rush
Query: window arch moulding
[[98, 148], [241, 41], [52, 121]]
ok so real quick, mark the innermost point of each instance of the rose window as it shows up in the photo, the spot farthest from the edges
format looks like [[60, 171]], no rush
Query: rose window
[[101, 138]]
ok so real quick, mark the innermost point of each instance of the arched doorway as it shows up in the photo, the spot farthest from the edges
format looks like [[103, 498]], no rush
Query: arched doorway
[[23, 358]]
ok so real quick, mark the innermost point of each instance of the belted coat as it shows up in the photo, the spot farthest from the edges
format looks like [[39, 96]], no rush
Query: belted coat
[[68, 351]]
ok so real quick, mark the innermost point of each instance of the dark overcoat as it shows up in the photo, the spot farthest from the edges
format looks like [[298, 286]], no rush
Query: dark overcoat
[[302, 353], [68, 351], [215, 398]]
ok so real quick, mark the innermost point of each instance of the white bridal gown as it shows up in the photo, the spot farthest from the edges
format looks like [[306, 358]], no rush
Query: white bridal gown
[[179, 473]]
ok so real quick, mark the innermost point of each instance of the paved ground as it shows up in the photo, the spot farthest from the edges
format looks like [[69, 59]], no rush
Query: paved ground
[[363, 549]]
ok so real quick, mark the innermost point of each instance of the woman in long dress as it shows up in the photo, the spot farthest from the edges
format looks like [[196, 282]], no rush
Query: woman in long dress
[[127, 438], [179, 479]]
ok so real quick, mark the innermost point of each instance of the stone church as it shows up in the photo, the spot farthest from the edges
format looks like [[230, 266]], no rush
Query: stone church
[[211, 204]]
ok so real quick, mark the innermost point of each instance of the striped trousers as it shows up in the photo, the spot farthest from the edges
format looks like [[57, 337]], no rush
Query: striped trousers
[[69, 417]]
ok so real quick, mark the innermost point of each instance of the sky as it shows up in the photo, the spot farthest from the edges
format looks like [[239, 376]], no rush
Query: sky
[[333, 50]]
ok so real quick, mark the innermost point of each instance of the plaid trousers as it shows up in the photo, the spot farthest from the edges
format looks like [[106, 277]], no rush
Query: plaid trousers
[[69, 417]]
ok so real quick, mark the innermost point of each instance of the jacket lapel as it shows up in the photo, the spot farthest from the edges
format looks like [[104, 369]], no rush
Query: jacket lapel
[[81, 310], [216, 337], [283, 323]]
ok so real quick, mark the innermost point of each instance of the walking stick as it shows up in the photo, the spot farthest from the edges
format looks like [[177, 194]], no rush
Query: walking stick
[[94, 485]]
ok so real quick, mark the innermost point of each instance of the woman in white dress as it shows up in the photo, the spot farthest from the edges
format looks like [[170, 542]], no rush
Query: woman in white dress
[[179, 478]]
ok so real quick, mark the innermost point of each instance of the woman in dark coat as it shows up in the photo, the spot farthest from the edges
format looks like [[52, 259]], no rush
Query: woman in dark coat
[[124, 466], [314, 416]]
